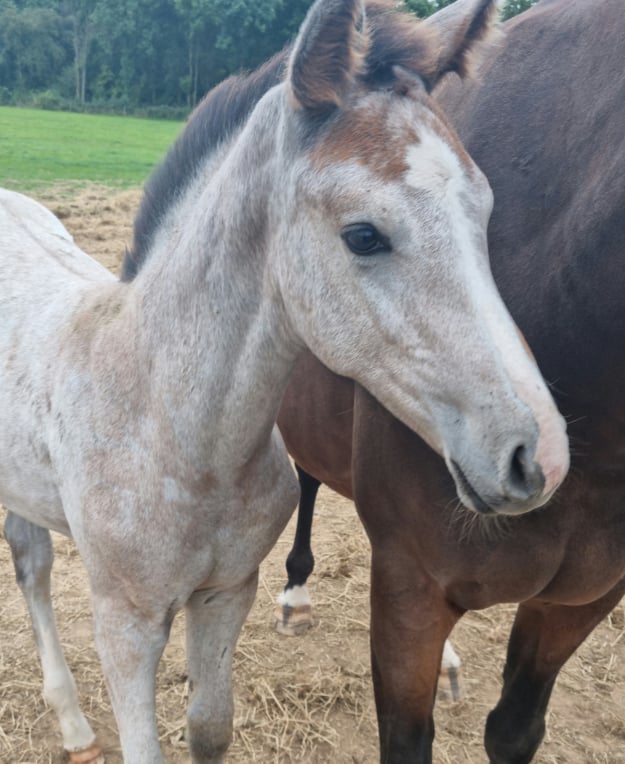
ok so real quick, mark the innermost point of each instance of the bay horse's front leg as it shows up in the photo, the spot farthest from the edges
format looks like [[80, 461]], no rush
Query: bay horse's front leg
[[543, 638], [213, 624], [410, 621], [31, 547]]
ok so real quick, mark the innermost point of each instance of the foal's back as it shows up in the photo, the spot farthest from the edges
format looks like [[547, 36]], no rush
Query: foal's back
[[43, 274], [34, 242], [44, 278]]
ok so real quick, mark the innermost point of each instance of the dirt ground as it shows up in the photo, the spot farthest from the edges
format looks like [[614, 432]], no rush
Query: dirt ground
[[297, 700]]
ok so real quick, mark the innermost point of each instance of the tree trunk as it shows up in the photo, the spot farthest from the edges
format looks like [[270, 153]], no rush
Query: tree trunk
[[83, 34]]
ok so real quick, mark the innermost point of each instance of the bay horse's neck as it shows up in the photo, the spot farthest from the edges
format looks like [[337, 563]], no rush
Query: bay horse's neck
[[211, 322]]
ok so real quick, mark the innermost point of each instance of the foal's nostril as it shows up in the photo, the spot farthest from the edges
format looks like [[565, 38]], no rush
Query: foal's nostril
[[517, 467], [525, 475]]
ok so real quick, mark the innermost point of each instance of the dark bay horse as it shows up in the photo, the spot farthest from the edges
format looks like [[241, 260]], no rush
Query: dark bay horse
[[546, 124]]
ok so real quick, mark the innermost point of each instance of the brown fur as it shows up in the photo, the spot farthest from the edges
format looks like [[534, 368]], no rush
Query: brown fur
[[344, 41], [421, 46], [466, 42], [398, 40], [372, 134]]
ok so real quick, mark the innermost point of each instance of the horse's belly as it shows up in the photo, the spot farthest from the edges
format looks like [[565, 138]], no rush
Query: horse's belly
[[33, 497], [28, 483]]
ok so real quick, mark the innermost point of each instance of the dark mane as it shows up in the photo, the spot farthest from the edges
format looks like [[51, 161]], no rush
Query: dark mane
[[395, 40], [219, 113]]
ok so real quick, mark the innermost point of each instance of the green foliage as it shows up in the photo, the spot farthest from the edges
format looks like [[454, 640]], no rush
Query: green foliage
[[514, 7], [134, 53], [32, 44], [39, 147], [423, 8], [130, 55]]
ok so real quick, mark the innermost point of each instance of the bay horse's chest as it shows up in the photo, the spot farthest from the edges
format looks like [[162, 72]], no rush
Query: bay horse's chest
[[572, 555]]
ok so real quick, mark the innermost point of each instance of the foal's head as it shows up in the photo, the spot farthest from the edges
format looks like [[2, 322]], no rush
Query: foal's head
[[380, 241]]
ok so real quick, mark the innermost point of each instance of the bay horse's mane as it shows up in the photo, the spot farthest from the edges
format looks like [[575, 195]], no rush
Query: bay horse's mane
[[394, 39]]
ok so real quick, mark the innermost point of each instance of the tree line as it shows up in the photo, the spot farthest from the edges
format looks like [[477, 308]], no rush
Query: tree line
[[152, 56]]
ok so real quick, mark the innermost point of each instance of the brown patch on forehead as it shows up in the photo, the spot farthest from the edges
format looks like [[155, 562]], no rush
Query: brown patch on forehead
[[365, 136]]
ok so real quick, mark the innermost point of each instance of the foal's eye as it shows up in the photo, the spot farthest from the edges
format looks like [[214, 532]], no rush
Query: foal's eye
[[365, 239]]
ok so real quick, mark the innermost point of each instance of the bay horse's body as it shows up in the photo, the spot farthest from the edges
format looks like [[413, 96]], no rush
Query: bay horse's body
[[546, 123], [138, 415]]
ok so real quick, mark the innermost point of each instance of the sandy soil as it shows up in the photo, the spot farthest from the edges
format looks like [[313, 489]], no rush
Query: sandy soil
[[297, 700]]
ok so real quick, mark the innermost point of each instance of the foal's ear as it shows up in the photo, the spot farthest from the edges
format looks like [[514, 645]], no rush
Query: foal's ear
[[328, 54], [459, 28]]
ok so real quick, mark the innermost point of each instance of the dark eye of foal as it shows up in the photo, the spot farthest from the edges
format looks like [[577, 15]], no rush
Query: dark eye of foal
[[365, 239]]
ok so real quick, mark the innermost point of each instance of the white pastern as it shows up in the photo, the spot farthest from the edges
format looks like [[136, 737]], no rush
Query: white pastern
[[451, 659], [59, 690], [298, 596]]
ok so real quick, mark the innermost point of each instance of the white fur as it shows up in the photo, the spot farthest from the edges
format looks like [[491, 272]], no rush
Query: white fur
[[296, 596], [451, 659]]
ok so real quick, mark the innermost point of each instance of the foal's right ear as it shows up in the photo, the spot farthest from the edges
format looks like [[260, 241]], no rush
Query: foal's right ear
[[328, 54]]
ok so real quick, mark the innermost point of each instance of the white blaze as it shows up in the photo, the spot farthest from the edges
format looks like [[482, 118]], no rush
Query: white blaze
[[434, 167]]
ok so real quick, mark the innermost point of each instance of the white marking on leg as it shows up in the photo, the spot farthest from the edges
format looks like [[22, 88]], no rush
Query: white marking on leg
[[59, 687], [298, 596], [451, 659]]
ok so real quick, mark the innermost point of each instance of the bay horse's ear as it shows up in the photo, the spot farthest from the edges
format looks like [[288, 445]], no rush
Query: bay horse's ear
[[328, 54], [460, 27]]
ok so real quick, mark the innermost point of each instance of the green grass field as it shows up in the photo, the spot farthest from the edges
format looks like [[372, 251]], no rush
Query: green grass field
[[39, 148]]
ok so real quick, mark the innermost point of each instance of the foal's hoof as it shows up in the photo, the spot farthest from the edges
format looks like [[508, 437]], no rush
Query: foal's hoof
[[450, 685], [91, 755], [292, 621]]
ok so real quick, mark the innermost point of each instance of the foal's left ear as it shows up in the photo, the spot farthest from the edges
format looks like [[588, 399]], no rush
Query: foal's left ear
[[328, 54], [460, 27]]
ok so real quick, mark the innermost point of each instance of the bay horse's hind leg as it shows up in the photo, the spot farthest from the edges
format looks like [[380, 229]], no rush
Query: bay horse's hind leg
[[31, 547], [543, 638], [293, 614], [449, 679], [213, 624]]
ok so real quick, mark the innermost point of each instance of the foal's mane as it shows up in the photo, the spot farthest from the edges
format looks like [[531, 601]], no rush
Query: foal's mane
[[395, 39], [217, 116]]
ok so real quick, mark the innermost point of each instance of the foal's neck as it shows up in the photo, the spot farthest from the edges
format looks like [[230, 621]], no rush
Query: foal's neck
[[211, 321]]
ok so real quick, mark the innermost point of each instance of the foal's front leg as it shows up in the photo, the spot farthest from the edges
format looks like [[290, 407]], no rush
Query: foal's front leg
[[213, 624], [130, 641], [32, 552]]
